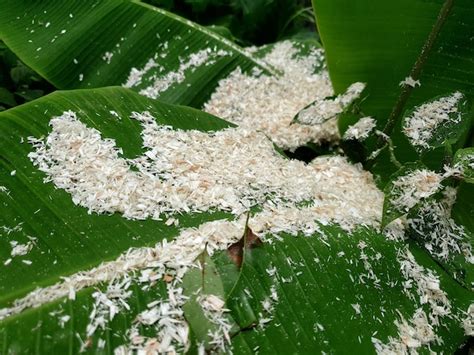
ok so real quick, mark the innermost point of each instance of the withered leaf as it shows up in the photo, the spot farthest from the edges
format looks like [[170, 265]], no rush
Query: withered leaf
[[168, 278], [248, 241]]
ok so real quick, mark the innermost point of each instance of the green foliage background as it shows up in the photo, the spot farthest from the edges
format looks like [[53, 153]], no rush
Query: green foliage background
[[246, 22]]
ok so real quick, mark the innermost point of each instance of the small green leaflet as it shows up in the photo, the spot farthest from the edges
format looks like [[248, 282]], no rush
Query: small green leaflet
[[465, 159]]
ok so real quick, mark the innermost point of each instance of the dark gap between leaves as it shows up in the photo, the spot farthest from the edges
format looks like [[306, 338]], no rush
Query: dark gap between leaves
[[310, 151], [467, 348]]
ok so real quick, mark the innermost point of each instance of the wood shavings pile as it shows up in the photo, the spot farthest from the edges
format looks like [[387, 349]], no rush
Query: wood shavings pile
[[395, 230], [166, 318], [152, 264], [444, 238], [420, 329], [361, 129], [230, 170], [269, 103], [165, 79], [183, 171], [413, 334], [178, 255], [322, 110], [104, 182], [426, 284], [420, 126], [409, 189], [108, 304], [214, 311]]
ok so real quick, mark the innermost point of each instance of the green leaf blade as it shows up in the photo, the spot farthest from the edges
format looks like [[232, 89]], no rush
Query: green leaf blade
[[31, 208], [322, 283], [78, 47], [380, 43]]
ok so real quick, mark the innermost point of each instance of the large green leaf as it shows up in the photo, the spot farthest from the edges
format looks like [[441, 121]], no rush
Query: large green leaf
[[60, 326], [382, 43], [378, 43], [69, 239], [97, 43], [318, 271], [332, 292]]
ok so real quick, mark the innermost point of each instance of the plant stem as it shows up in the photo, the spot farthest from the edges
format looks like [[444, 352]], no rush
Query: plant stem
[[416, 69]]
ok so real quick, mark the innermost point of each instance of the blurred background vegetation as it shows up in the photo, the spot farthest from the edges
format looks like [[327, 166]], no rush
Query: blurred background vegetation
[[246, 22], [18, 83]]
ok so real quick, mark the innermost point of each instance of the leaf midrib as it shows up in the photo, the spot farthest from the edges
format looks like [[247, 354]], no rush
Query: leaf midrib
[[416, 70]]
